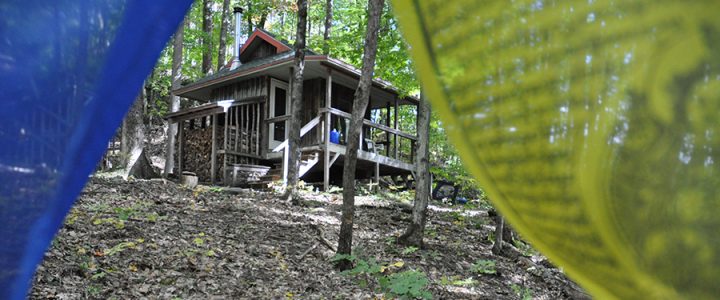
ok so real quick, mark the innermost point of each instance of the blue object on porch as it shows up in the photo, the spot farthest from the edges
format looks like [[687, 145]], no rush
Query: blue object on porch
[[335, 136], [69, 70]]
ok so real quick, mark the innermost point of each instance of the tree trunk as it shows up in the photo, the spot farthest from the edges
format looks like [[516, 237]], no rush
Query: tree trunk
[[249, 16], [296, 106], [362, 97], [224, 24], [499, 224], [136, 162], [263, 19], [174, 100], [414, 234], [207, 37], [328, 26]]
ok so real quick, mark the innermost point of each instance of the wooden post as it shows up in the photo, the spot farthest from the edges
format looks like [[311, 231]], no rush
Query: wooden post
[[181, 141], [377, 176], [326, 134], [225, 145], [236, 112], [395, 126], [213, 154], [387, 134], [257, 129]]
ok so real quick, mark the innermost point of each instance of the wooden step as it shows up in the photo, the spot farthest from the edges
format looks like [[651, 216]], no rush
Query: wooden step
[[259, 185], [273, 177], [274, 172]]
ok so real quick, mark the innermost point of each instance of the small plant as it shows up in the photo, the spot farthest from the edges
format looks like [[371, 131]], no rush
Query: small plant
[[199, 241], [93, 290], [119, 224], [409, 250], [124, 213], [122, 247], [456, 281], [524, 248], [484, 266], [215, 189], [523, 292], [406, 285], [402, 285]]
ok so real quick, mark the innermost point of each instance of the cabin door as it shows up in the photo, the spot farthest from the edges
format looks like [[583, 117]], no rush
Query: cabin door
[[279, 106]]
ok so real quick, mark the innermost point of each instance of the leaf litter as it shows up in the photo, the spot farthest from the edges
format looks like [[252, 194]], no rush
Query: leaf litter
[[154, 239]]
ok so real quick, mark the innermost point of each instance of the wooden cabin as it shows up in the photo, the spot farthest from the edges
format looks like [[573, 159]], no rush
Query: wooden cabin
[[243, 119]]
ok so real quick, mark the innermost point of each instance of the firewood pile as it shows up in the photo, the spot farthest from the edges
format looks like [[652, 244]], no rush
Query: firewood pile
[[198, 150]]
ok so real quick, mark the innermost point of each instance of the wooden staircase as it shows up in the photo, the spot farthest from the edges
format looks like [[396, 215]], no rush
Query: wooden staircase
[[308, 160]]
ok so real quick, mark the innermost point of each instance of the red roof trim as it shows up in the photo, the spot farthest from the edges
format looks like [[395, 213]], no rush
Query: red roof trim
[[266, 37]]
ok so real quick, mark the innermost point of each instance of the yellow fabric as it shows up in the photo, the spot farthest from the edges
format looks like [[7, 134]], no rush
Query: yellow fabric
[[594, 127]]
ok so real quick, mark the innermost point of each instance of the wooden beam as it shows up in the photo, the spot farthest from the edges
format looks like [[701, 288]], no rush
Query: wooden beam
[[230, 152], [181, 141], [225, 144], [377, 176], [343, 114], [236, 112], [257, 128], [387, 134], [213, 154], [334, 158], [395, 126], [208, 108], [277, 119], [326, 133], [374, 157]]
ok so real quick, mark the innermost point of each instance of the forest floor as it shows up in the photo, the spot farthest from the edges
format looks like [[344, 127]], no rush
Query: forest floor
[[156, 239]]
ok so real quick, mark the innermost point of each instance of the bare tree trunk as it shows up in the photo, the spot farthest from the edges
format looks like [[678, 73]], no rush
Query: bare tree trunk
[[328, 26], [174, 100], [296, 105], [136, 163], [414, 234], [207, 37], [249, 16], [499, 224], [263, 19], [224, 24], [362, 97]]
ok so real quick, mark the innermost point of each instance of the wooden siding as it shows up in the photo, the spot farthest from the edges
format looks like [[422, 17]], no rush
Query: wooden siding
[[264, 49], [252, 87], [313, 99]]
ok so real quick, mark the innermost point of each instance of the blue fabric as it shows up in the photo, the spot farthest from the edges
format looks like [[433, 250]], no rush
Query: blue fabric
[[69, 71]]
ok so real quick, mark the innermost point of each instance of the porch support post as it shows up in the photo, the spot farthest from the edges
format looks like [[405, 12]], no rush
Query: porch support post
[[387, 134], [286, 151], [326, 133], [377, 176], [225, 146], [395, 126], [181, 141], [213, 154]]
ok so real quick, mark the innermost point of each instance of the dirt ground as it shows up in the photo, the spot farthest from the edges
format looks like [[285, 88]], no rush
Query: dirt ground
[[158, 240]]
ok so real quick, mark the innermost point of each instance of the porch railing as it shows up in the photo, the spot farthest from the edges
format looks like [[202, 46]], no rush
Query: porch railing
[[284, 146], [395, 143]]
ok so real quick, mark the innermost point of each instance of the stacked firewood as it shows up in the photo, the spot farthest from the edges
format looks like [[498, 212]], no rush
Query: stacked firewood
[[198, 151]]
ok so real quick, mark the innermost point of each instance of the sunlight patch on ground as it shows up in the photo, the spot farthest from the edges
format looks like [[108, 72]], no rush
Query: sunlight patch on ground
[[464, 212], [321, 219]]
